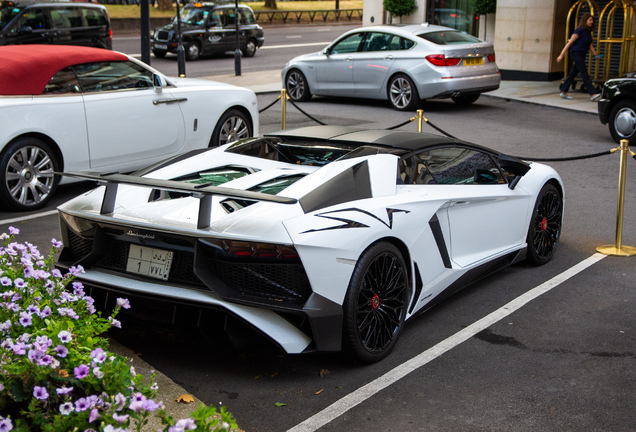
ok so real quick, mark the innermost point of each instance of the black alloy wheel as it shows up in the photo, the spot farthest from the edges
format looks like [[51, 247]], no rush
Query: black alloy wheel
[[233, 126], [376, 303], [297, 87], [402, 93], [27, 181], [545, 226]]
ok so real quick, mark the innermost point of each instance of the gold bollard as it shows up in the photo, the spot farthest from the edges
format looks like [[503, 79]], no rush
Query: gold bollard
[[419, 117], [283, 95], [618, 249]]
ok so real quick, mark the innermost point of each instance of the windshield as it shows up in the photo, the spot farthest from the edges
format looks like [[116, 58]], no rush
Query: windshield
[[7, 13], [449, 37], [193, 15]]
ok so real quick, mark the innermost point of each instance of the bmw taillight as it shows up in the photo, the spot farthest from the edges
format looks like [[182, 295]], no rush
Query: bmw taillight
[[442, 60], [491, 58]]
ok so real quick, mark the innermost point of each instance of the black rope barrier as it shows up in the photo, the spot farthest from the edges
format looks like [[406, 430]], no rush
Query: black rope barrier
[[565, 159], [270, 105], [400, 125], [299, 109], [438, 129]]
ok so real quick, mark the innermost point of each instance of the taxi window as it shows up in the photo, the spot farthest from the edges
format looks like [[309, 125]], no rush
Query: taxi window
[[34, 18], [247, 17]]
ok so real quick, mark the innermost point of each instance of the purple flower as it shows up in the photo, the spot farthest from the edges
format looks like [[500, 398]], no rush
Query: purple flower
[[5, 281], [114, 322], [6, 425], [120, 400], [56, 273], [64, 336], [20, 283], [98, 373], [46, 360], [76, 270], [13, 231], [81, 405], [150, 405], [120, 418], [64, 390], [93, 416], [35, 355], [40, 393], [56, 244], [25, 319], [66, 408], [61, 351], [98, 355], [45, 312], [123, 303], [81, 371], [186, 424]]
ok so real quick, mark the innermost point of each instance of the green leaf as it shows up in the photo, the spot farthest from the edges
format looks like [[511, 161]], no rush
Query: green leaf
[[280, 404]]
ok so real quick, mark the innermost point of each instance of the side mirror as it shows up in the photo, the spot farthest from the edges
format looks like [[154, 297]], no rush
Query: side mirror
[[158, 82]]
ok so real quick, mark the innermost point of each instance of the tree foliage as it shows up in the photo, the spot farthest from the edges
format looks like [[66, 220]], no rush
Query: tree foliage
[[400, 8], [483, 7]]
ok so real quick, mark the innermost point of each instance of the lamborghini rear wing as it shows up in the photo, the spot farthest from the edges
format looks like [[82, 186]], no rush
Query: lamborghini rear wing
[[203, 192]]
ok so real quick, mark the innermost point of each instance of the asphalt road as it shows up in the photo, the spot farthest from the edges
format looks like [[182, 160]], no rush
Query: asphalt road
[[565, 361]]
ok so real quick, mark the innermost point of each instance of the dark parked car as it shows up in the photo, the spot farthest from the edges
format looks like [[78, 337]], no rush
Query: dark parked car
[[28, 22], [617, 107], [209, 28]]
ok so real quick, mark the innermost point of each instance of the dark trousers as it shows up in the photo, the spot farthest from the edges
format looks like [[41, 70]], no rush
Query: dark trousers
[[578, 67]]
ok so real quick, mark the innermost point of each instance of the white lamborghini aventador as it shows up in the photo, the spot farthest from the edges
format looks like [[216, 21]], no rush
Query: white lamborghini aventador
[[321, 238]]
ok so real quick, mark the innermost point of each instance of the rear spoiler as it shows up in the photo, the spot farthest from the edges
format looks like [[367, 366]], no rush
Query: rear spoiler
[[202, 191]]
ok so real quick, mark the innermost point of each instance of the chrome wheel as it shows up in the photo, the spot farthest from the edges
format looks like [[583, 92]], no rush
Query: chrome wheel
[[376, 303], [192, 51], [233, 126], [402, 93], [625, 123], [250, 48], [28, 180], [545, 226], [296, 85]]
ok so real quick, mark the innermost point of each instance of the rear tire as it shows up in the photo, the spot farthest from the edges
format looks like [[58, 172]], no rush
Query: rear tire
[[27, 181], [232, 126], [192, 51], [545, 226], [250, 48], [376, 303], [622, 121], [297, 87], [402, 93], [466, 98]]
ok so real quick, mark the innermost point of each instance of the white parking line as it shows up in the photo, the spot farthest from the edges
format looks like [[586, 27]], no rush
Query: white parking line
[[340, 407], [29, 217]]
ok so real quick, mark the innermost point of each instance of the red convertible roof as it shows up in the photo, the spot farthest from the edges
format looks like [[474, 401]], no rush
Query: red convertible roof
[[26, 69]]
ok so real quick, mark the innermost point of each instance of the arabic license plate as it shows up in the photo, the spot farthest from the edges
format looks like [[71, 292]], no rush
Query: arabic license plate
[[473, 61], [147, 261], [160, 46]]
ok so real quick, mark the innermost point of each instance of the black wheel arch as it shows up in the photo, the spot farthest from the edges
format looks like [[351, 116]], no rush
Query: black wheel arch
[[46, 140]]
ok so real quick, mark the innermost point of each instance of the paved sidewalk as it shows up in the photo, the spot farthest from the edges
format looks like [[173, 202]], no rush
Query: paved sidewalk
[[537, 92]]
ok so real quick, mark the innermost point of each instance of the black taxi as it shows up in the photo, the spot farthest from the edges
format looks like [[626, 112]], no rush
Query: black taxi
[[209, 28]]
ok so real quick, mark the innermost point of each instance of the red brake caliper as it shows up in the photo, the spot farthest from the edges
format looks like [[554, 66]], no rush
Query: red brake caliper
[[375, 301], [544, 224]]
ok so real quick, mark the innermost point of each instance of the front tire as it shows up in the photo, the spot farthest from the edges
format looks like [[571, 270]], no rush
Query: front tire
[[376, 303], [545, 226], [233, 126], [250, 48], [402, 93], [465, 98], [27, 181], [622, 121], [192, 51], [297, 87]]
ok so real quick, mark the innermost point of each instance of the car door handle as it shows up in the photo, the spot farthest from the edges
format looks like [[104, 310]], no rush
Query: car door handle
[[389, 57], [168, 101], [348, 58], [459, 203]]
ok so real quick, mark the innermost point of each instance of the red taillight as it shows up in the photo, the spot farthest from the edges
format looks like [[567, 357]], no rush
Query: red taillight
[[110, 33], [441, 60], [491, 58], [245, 249]]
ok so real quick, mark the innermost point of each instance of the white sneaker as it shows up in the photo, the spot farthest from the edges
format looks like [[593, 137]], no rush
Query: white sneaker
[[566, 96], [595, 97]]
